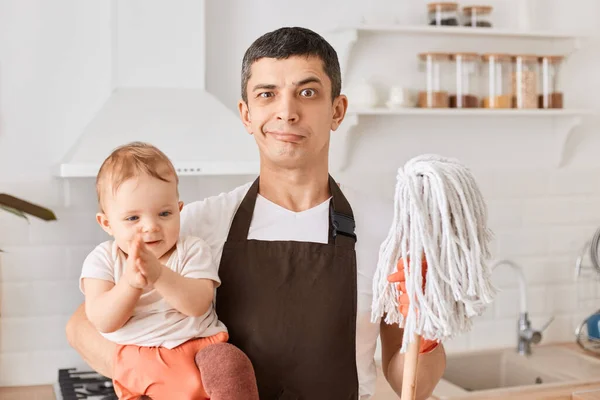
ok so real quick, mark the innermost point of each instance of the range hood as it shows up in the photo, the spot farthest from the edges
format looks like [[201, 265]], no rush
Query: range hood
[[158, 96]]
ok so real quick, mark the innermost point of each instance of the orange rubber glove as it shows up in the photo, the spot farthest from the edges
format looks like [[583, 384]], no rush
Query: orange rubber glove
[[400, 280]]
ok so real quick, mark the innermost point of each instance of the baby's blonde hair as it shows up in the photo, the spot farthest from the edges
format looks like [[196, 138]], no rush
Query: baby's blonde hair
[[132, 160]]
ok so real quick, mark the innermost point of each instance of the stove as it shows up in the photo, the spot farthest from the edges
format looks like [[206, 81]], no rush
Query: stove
[[88, 385]]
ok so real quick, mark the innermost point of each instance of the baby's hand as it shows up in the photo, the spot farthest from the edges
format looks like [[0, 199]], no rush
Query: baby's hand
[[132, 272], [148, 264]]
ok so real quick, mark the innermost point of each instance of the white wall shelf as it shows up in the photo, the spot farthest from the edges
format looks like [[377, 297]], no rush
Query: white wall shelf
[[564, 121], [467, 31], [469, 112], [343, 39]]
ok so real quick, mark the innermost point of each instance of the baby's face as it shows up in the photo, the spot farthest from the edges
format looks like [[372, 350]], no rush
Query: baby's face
[[144, 205]]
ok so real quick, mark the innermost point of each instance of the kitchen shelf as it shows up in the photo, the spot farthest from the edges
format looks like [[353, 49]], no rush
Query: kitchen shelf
[[473, 112], [343, 39], [564, 120], [466, 31]]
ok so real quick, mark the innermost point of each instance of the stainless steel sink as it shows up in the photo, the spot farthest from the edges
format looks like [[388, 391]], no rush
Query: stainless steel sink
[[477, 372]]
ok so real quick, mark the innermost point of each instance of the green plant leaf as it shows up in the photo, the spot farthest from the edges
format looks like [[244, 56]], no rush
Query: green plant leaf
[[8, 202]]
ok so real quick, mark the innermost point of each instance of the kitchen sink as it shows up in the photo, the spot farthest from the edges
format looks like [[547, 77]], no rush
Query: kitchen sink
[[491, 370], [485, 371]]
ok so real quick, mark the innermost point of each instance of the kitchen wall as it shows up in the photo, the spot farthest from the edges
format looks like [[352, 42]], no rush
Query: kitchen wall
[[55, 73]]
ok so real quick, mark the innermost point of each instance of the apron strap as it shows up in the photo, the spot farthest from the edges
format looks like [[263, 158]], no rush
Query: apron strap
[[341, 219], [238, 232]]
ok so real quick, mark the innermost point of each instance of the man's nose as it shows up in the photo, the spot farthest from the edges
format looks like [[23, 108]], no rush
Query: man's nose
[[288, 109]]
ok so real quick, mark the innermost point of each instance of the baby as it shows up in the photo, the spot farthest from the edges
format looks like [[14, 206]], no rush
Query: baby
[[151, 291]]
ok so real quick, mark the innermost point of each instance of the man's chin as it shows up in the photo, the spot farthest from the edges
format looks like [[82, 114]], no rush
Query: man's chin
[[286, 160]]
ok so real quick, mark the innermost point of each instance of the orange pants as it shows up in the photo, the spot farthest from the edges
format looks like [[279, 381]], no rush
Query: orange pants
[[161, 373]]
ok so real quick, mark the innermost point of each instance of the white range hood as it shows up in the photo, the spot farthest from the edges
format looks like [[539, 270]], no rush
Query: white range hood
[[159, 96]]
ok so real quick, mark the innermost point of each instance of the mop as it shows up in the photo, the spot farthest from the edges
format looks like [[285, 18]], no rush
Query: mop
[[439, 214]]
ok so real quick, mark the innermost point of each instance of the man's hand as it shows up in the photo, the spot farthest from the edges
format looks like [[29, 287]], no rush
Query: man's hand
[[148, 264], [132, 272], [399, 278]]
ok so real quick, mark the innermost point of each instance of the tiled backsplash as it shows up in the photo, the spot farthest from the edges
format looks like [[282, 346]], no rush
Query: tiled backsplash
[[540, 219]]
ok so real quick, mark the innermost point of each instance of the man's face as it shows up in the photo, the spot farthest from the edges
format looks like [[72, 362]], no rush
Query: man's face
[[290, 112]]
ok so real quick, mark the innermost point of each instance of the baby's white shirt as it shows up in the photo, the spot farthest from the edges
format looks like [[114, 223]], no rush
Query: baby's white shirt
[[154, 321]]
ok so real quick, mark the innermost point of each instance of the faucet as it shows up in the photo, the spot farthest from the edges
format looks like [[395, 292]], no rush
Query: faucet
[[525, 334]]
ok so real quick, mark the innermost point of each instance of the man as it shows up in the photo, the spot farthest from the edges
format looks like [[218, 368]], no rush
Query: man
[[295, 295]]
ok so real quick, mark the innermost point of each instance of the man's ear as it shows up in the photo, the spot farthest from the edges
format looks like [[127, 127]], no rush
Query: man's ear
[[340, 105], [245, 115], [104, 223], [180, 206]]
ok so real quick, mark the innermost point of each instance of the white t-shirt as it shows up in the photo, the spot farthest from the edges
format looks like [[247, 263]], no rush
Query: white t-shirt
[[154, 321], [211, 219]]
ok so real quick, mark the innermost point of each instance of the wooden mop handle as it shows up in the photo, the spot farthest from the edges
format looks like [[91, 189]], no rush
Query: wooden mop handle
[[409, 376]]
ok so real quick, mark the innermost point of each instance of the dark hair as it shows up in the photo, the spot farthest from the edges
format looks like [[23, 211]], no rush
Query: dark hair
[[287, 42]]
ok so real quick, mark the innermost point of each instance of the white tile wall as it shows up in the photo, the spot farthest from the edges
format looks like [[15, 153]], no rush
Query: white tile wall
[[40, 267], [518, 202], [541, 226]]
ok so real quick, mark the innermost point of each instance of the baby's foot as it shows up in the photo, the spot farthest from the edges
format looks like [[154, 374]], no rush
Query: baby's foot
[[227, 373]]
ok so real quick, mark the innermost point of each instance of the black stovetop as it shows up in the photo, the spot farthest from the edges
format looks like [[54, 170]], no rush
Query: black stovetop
[[88, 385]]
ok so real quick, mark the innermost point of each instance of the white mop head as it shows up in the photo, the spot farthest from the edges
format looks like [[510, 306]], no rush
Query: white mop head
[[439, 213]]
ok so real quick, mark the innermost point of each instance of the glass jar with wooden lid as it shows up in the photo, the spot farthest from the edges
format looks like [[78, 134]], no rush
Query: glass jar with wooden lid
[[477, 16], [465, 93], [496, 83], [551, 94], [435, 69], [443, 14], [525, 80]]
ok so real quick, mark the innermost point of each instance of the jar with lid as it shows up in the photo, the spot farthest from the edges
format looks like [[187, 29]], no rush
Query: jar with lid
[[435, 68], [524, 81], [443, 14], [551, 94], [477, 16], [465, 93], [496, 83]]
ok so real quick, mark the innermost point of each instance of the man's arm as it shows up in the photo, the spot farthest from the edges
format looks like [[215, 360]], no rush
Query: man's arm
[[95, 349], [190, 296], [430, 367]]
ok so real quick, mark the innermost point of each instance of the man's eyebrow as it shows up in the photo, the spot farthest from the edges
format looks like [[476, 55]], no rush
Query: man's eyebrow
[[311, 79], [270, 86], [262, 86]]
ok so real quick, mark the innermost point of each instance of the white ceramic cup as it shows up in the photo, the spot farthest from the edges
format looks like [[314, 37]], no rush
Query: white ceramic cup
[[399, 97]]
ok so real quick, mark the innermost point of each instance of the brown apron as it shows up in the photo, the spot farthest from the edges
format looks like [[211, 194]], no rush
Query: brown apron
[[291, 306]]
